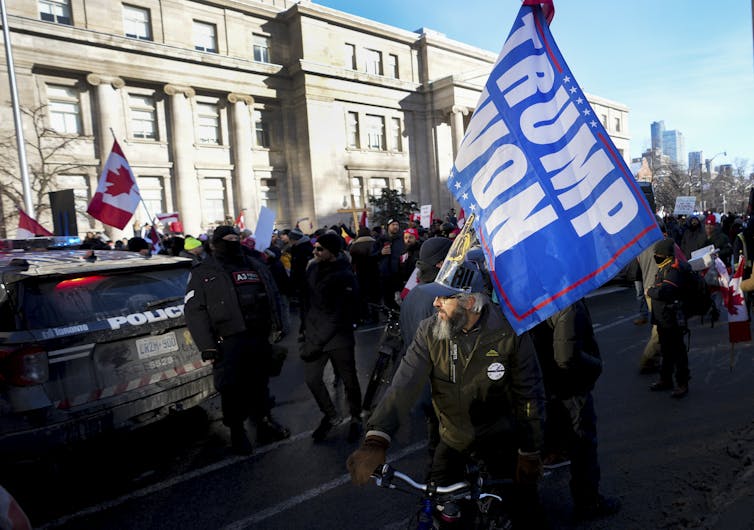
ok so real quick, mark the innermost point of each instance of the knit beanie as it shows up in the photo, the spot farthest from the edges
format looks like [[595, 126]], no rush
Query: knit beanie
[[295, 234], [222, 231], [331, 242], [191, 243], [665, 247], [434, 250]]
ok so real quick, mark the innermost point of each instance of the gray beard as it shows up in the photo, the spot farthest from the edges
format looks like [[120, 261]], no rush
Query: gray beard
[[445, 329]]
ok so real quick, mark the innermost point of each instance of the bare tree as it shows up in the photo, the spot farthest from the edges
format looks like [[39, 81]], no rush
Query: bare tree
[[49, 156], [671, 181]]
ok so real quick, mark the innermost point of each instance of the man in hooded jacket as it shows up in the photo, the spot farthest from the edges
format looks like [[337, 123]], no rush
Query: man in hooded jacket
[[329, 311], [232, 306]]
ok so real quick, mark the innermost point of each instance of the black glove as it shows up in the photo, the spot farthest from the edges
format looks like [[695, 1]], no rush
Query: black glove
[[211, 355]]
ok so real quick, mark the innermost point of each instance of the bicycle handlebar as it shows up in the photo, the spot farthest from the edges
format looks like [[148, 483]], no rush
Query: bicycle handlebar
[[385, 474]]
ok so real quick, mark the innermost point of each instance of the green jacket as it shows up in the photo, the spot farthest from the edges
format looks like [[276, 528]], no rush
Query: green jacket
[[494, 386]]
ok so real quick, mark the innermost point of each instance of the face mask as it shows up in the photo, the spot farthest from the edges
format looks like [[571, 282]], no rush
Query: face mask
[[227, 249]]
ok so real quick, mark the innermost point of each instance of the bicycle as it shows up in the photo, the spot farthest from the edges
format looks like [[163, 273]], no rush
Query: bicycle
[[389, 351], [440, 506]]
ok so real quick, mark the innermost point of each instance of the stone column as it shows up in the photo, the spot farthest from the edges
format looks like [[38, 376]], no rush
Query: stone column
[[245, 186], [457, 113], [107, 105], [187, 189]]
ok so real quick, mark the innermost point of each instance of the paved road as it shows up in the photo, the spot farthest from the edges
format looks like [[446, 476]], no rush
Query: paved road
[[674, 464]]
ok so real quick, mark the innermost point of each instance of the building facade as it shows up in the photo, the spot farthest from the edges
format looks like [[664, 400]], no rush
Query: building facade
[[234, 104], [674, 145]]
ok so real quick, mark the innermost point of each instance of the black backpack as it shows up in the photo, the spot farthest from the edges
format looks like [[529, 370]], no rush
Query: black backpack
[[696, 299]]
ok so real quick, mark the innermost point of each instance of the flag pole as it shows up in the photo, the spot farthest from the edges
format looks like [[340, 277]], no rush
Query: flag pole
[[20, 142]]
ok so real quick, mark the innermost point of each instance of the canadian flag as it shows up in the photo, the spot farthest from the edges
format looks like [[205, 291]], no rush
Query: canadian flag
[[29, 227], [241, 220], [117, 195], [461, 218], [166, 218], [412, 282], [154, 239], [739, 329]]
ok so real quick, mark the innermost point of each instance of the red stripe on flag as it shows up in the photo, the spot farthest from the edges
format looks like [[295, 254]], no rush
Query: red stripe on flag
[[107, 213], [739, 331]]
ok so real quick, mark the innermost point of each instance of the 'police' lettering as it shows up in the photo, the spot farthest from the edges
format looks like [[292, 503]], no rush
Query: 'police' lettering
[[139, 319]]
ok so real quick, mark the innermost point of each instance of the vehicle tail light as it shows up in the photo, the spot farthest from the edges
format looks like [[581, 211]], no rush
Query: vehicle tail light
[[25, 366]]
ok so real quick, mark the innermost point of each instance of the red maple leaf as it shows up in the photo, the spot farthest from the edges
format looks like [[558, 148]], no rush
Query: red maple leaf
[[119, 183], [732, 299]]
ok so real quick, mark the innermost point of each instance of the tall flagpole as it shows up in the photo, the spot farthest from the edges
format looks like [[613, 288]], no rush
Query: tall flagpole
[[26, 184]]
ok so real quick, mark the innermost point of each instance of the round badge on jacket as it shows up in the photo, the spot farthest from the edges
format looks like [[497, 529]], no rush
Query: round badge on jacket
[[495, 371]]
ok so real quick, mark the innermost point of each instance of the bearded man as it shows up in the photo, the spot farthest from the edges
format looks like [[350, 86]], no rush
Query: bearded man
[[487, 392]]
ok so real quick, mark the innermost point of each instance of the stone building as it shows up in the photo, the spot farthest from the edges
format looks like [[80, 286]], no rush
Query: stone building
[[228, 104]]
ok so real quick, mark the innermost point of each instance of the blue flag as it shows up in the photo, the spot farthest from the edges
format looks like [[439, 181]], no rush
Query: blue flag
[[558, 212]]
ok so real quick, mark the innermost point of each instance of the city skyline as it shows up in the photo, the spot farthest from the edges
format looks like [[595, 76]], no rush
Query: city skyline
[[691, 68]]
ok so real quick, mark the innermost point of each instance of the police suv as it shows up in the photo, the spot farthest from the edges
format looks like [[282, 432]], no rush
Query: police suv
[[90, 342]]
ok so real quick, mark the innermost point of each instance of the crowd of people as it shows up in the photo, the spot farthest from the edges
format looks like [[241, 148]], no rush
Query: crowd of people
[[525, 402]]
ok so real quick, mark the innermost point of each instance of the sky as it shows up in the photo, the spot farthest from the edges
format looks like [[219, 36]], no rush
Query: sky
[[687, 63]]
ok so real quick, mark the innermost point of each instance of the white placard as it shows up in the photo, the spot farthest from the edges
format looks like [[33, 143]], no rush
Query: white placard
[[426, 215], [684, 205], [263, 232]]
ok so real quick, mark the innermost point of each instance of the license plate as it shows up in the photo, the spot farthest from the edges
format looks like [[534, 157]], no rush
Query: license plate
[[154, 346]]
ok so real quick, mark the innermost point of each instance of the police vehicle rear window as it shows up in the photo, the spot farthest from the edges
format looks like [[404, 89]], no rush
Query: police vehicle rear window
[[61, 302]]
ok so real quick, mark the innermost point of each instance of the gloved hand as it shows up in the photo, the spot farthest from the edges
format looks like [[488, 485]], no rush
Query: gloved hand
[[211, 355], [362, 462], [528, 467]]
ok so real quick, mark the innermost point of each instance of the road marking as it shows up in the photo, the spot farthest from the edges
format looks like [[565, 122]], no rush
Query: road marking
[[312, 493], [600, 327], [155, 488]]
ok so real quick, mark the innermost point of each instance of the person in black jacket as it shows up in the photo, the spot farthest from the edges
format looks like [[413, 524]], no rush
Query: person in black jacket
[[391, 248], [668, 316], [364, 258], [232, 306], [570, 359], [329, 312]]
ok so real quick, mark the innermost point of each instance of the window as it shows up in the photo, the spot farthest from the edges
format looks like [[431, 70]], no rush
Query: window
[[373, 62], [64, 110], [268, 195], [357, 191], [352, 125], [617, 124], [209, 123], [604, 120], [205, 37], [143, 117], [376, 185], [151, 192], [398, 185], [392, 65], [261, 45], [214, 200], [375, 129], [349, 56], [55, 11], [395, 134], [262, 128], [136, 22]]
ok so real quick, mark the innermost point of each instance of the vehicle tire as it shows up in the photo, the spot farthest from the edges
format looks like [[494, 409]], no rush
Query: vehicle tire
[[377, 383]]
